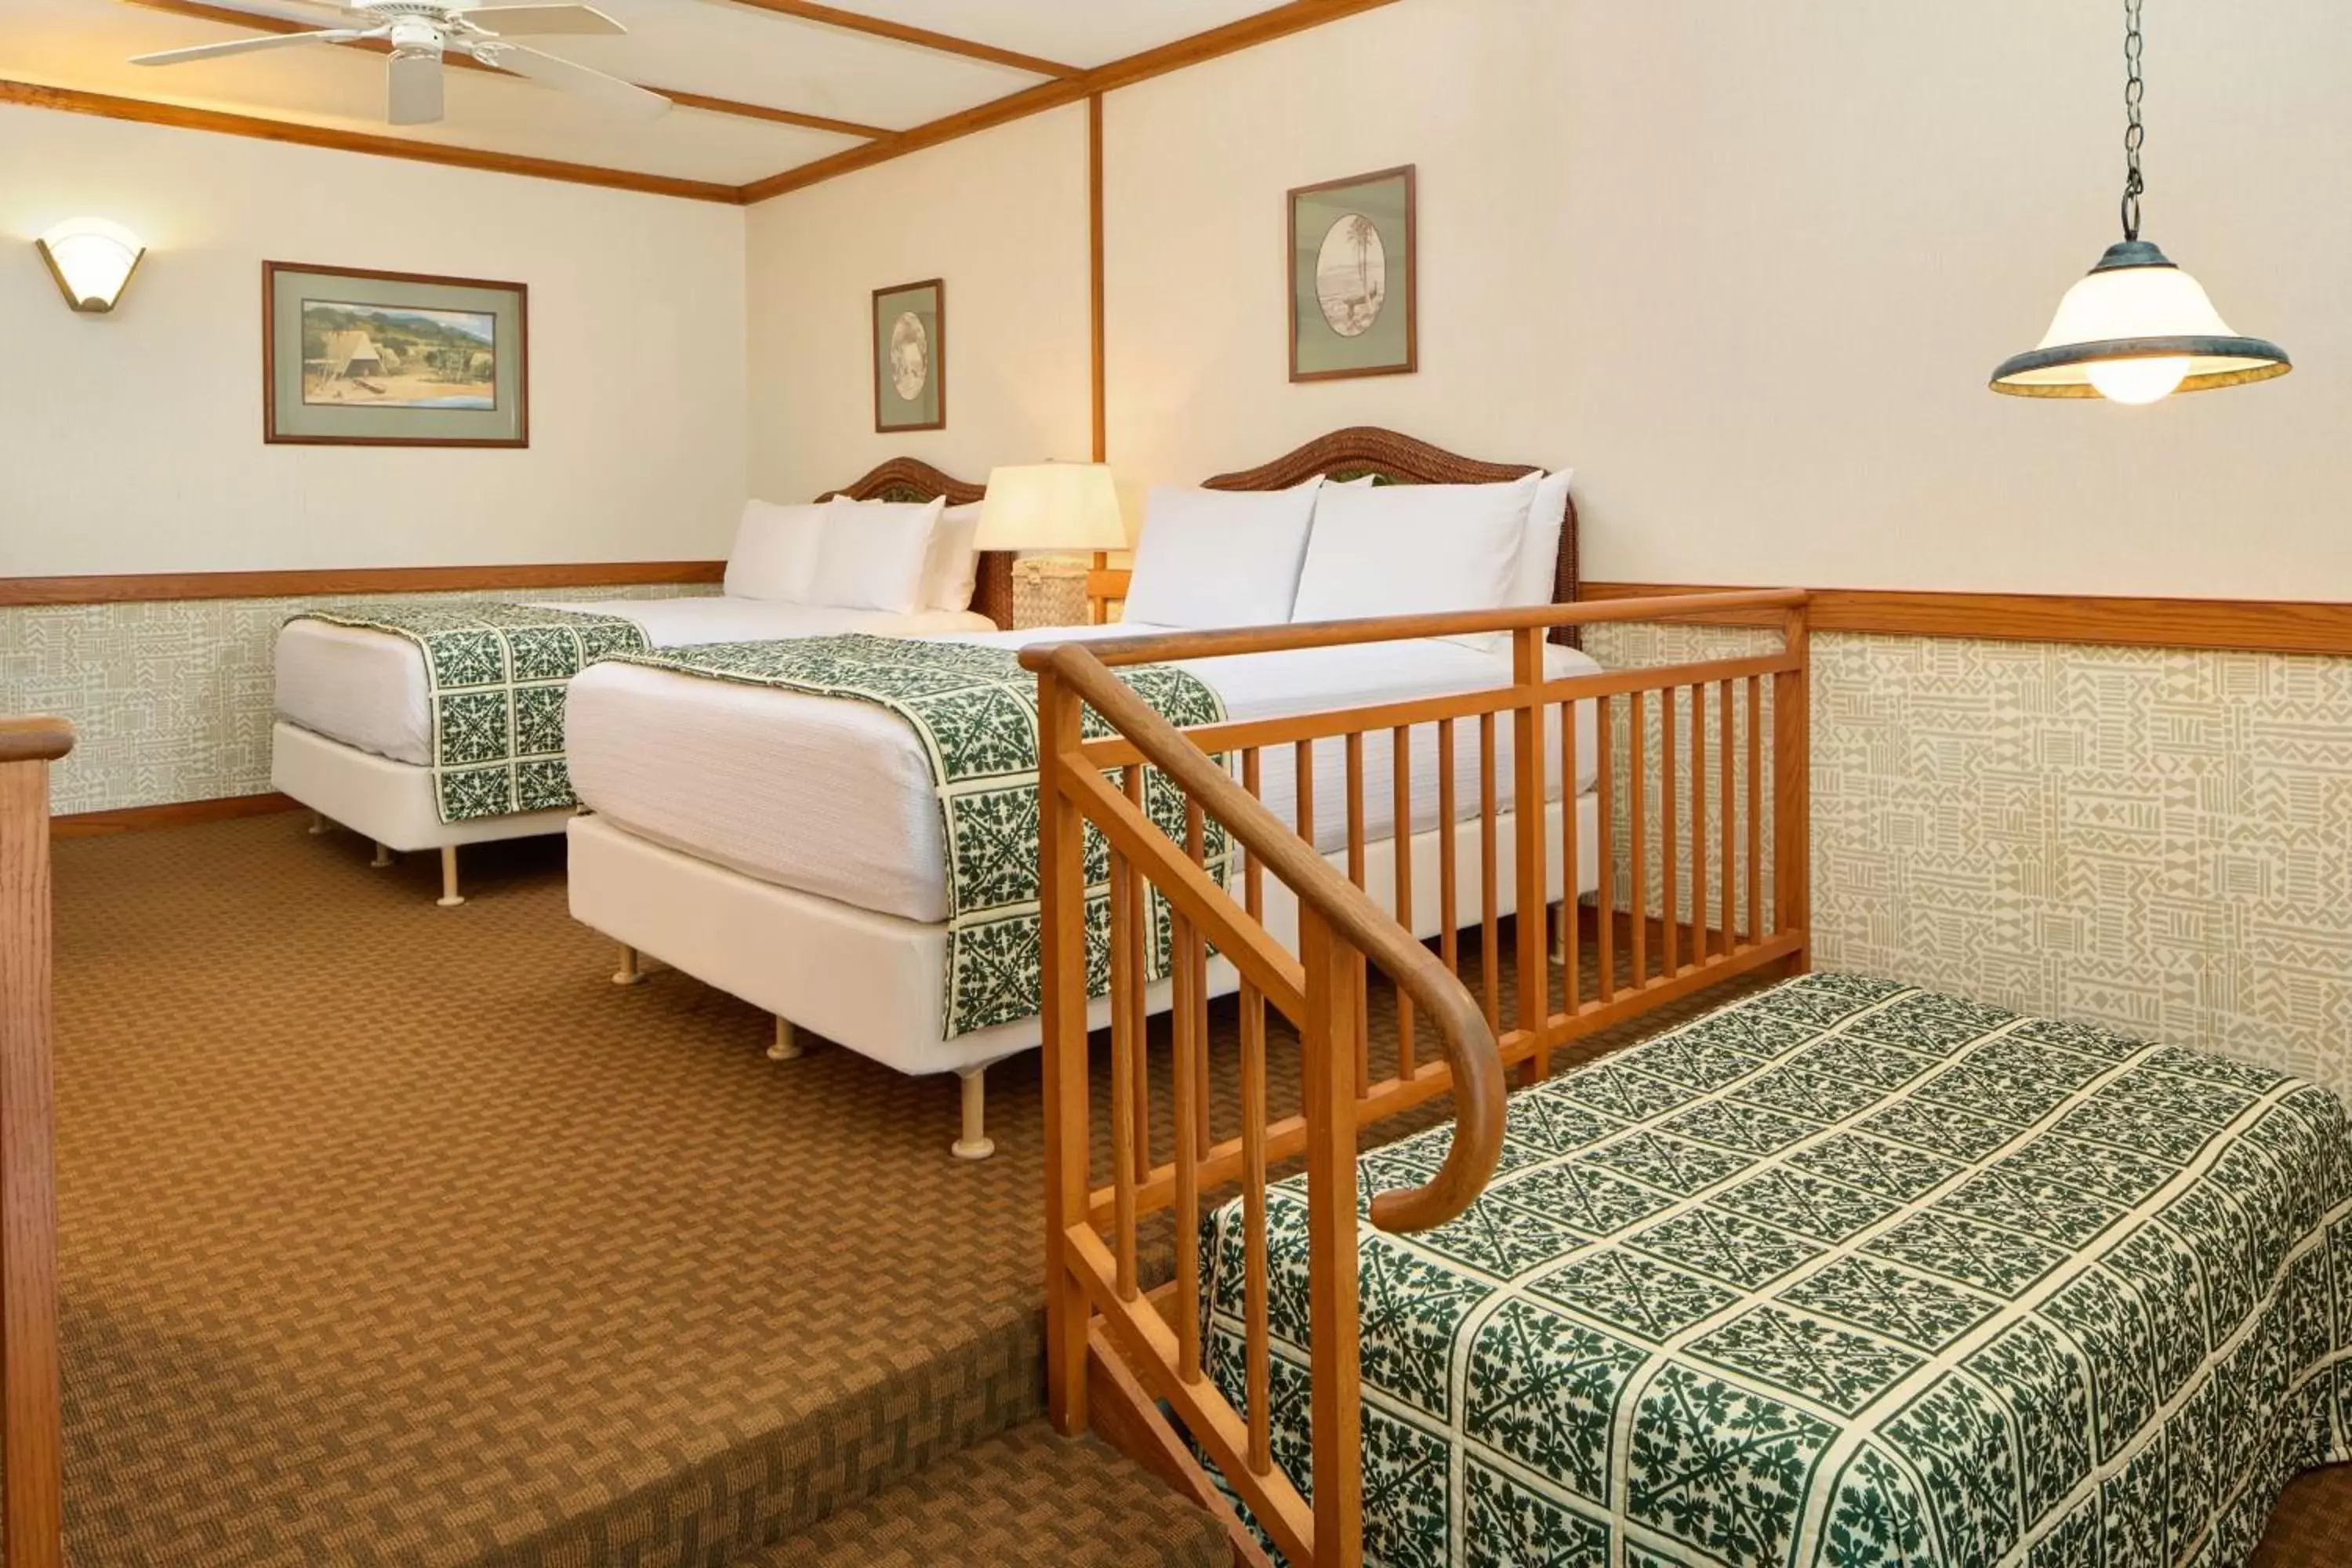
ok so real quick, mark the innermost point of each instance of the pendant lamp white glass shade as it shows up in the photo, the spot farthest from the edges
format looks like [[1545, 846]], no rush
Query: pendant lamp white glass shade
[[92, 261], [1051, 506], [2135, 330]]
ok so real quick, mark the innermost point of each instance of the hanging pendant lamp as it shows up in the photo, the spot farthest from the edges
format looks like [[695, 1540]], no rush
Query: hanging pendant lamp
[[2137, 329]]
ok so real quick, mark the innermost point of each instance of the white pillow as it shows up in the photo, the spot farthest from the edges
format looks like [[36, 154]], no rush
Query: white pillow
[[1219, 558], [1405, 550], [952, 572], [775, 551], [1538, 571], [871, 557]]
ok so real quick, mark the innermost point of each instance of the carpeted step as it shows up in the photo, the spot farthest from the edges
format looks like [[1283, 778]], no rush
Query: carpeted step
[[1025, 1499]]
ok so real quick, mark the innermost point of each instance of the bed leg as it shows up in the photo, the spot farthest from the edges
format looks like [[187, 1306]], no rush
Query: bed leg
[[975, 1143], [631, 971], [318, 824], [449, 898], [382, 857], [787, 1045], [1562, 913]]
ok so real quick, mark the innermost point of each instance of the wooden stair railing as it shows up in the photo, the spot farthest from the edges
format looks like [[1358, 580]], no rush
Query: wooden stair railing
[[1136, 1362], [31, 1512]]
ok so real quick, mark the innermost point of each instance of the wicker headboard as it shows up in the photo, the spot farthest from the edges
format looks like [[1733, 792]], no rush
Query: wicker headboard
[[1396, 459], [907, 479]]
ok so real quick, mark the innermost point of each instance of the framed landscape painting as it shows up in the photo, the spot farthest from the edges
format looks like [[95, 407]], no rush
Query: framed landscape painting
[[356, 358], [910, 358], [1351, 278]]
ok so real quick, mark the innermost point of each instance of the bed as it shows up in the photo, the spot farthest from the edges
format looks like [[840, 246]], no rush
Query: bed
[[789, 848], [355, 735], [1846, 1272]]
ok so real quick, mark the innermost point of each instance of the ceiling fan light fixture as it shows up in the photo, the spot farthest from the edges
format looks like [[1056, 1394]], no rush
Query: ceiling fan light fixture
[[2136, 328], [92, 261]]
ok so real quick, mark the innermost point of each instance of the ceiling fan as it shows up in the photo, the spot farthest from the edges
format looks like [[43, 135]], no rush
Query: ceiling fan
[[421, 32]]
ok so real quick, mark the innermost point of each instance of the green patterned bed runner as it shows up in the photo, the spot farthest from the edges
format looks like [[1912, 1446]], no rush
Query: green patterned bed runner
[[1848, 1273], [495, 678], [974, 711]]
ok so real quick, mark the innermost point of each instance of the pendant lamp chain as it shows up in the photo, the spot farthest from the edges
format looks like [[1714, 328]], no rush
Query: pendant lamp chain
[[2135, 132]]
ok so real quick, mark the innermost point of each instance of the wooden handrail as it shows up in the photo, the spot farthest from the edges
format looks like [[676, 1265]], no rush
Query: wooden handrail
[[30, 1417], [1464, 1036], [1159, 646]]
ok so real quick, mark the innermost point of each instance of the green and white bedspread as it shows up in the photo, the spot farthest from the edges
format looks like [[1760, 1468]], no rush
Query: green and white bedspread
[[1848, 1273], [973, 709], [495, 675]]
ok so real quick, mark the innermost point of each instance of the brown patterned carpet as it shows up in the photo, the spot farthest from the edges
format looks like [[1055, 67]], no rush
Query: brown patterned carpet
[[397, 1234]]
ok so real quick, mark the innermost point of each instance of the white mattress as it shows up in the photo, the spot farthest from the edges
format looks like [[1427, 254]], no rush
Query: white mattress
[[834, 797], [367, 689]]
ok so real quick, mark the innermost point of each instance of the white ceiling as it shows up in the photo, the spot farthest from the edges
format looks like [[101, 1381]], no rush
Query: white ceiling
[[716, 47]]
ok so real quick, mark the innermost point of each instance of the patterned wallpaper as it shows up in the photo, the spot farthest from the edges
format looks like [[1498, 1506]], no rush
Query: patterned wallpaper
[[171, 700], [2157, 840]]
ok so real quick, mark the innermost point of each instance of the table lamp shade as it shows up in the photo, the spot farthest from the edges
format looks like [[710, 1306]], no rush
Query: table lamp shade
[[1051, 506]]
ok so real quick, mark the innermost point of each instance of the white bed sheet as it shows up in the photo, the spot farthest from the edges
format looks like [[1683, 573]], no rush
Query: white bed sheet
[[367, 689], [834, 797]]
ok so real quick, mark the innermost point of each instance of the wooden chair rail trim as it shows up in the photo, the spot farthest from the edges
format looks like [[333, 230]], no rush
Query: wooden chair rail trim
[[1463, 1038], [2238, 625], [151, 588]]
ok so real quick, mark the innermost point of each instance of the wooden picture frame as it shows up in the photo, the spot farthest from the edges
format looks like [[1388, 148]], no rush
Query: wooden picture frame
[[359, 357], [1336, 333], [910, 355]]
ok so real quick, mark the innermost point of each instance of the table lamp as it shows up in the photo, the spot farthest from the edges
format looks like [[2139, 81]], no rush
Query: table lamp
[[1053, 509]]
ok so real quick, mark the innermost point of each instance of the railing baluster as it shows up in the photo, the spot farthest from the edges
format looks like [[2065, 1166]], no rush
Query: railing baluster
[[1183, 1088], [1256, 1332], [1490, 960], [1124, 1061], [1449, 825], [1135, 956], [1755, 808], [1196, 961], [1335, 1397], [1401, 837], [1698, 826], [1728, 810], [1530, 848], [1793, 787], [1604, 785], [1356, 874], [1571, 828], [1637, 752], [1669, 837]]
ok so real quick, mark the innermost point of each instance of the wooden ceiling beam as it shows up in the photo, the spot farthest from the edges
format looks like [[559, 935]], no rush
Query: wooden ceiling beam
[[143, 111], [263, 22], [923, 37], [1248, 32]]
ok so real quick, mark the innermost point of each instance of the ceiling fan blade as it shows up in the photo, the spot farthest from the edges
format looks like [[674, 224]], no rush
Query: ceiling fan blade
[[541, 21], [247, 45], [623, 97], [413, 90]]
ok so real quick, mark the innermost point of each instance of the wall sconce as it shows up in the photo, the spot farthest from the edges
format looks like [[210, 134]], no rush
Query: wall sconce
[[91, 260]]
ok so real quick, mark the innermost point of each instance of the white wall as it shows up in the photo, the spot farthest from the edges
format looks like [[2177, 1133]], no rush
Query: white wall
[[1002, 218], [1747, 269], [132, 442]]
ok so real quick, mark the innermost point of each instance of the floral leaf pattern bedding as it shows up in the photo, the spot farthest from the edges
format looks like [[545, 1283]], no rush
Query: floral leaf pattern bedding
[[1847, 1273], [973, 709], [495, 678]]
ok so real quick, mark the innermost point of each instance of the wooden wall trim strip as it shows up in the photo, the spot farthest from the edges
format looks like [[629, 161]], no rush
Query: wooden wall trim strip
[[2249, 625], [901, 32], [139, 110], [1094, 274], [130, 588], [1263, 27], [261, 22], [175, 814]]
